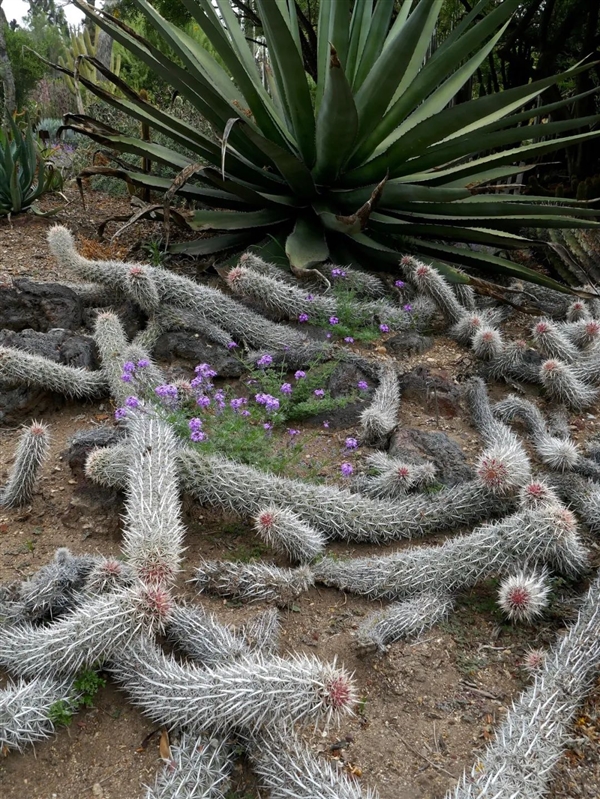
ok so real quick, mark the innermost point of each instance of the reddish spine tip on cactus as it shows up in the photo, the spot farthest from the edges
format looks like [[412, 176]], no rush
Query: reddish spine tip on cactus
[[406, 260], [403, 472], [533, 660], [340, 693], [492, 472], [523, 597], [134, 271], [422, 270], [550, 366], [266, 519], [542, 327], [155, 602], [234, 274]]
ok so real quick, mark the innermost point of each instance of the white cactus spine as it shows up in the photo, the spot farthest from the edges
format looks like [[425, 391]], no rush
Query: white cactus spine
[[552, 343], [255, 582], [202, 637], [89, 634], [26, 710], [292, 771], [487, 344], [198, 768], [429, 281], [562, 384], [531, 739], [245, 695], [545, 535], [31, 452], [511, 363], [395, 478], [405, 619], [381, 416], [287, 533], [21, 368], [54, 588], [153, 534], [523, 596]]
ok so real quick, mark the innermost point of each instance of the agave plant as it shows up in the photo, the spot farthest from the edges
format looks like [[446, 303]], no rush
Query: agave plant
[[24, 173], [371, 162]]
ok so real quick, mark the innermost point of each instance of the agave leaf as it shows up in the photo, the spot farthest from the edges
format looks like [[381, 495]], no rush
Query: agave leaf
[[374, 42], [359, 30], [337, 123], [215, 244], [291, 77], [235, 220], [306, 245]]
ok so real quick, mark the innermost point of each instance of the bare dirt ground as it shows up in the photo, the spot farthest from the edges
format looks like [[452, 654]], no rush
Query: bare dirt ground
[[426, 706]]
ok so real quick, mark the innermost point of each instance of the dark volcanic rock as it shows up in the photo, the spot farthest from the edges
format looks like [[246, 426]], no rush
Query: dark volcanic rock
[[19, 402], [432, 389], [417, 446], [85, 441], [188, 346], [39, 306], [60, 346]]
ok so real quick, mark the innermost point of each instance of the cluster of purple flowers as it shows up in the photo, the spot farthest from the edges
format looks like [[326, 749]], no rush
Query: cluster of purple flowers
[[271, 403], [196, 433], [286, 388], [237, 402], [399, 284], [384, 328], [351, 443], [299, 374], [319, 393], [333, 320], [129, 369], [168, 393], [337, 272], [303, 317], [346, 469], [362, 385], [264, 360]]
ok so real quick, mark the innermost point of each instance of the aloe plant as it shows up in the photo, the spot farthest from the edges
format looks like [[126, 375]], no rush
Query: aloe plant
[[371, 162], [24, 174]]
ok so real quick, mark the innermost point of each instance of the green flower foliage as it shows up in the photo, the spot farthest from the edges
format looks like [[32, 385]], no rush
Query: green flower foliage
[[372, 161]]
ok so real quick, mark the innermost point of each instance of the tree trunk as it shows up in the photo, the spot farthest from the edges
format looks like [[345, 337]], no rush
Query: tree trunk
[[8, 79]]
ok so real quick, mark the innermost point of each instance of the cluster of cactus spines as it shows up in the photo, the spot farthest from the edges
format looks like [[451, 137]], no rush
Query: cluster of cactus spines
[[405, 619], [465, 294], [584, 334], [364, 284], [246, 326], [578, 311], [533, 660], [546, 535], [559, 454], [582, 495], [153, 534], [492, 431], [254, 582], [26, 710], [292, 301], [142, 288], [54, 589], [215, 480], [19, 367], [552, 343], [561, 383], [379, 419], [487, 343], [87, 635], [168, 317], [523, 596], [287, 533], [587, 368], [253, 261], [115, 351], [30, 454], [289, 770], [467, 326], [197, 768], [531, 739], [246, 694], [430, 282], [512, 364], [394, 478], [261, 633], [537, 494], [202, 637], [108, 574]]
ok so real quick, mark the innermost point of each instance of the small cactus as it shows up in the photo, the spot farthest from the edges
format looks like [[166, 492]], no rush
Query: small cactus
[[562, 384], [198, 768], [26, 710], [552, 343], [405, 619], [285, 532], [255, 582], [202, 637], [21, 368], [522, 596], [381, 416], [429, 281], [32, 450]]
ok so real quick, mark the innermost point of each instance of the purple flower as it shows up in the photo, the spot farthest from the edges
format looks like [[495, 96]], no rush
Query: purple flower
[[167, 391], [267, 425], [286, 388], [333, 320], [293, 432], [142, 363], [203, 401], [384, 328], [128, 366], [408, 307], [303, 317], [319, 392], [309, 298], [362, 385], [126, 377], [120, 413], [399, 284], [299, 374], [328, 335], [346, 469], [351, 443], [237, 403], [132, 402], [244, 413], [232, 345], [326, 424], [197, 436], [270, 403], [264, 360], [349, 340], [195, 424], [337, 272], [205, 370]]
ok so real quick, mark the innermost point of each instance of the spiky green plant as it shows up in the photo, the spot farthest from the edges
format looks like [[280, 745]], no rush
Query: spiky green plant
[[370, 162], [24, 174]]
